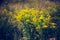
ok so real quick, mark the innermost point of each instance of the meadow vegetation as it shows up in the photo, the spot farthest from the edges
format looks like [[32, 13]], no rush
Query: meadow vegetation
[[30, 18]]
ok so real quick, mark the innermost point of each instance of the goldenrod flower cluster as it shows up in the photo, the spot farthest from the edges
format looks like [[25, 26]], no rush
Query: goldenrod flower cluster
[[36, 17], [39, 18]]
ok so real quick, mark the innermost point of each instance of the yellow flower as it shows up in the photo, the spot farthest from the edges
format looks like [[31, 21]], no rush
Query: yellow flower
[[25, 10], [18, 18], [45, 26], [34, 19], [27, 21], [53, 25], [41, 17], [47, 19], [33, 16]]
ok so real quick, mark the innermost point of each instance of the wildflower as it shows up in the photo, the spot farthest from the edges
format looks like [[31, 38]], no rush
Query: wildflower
[[45, 26], [41, 17], [47, 19], [18, 18], [34, 19], [27, 21]]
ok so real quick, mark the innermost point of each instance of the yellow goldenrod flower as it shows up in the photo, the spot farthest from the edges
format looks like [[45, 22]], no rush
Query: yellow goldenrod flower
[[45, 26], [27, 21], [41, 17], [17, 17], [33, 16], [34, 19], [47, 19]]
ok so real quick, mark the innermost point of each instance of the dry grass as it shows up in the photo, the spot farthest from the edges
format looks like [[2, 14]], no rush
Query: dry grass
[[40, 4], [32, 4]]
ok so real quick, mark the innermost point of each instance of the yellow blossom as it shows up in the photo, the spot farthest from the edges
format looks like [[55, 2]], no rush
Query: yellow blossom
[[41, 17], [17, 17], [27, 21], [45, 26], [34, 19], [33, 16], [47, 19]]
